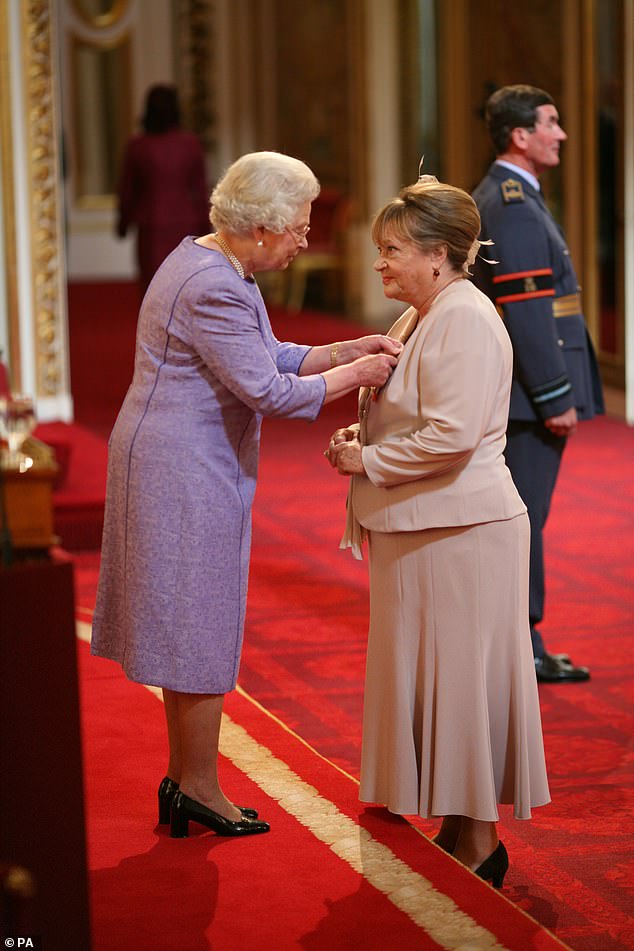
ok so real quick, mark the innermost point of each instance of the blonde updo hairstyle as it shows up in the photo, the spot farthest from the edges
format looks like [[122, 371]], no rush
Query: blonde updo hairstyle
[[261, 189], [431, 214]]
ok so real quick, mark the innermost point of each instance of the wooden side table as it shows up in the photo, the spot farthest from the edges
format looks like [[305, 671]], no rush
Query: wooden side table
[[28, 500]]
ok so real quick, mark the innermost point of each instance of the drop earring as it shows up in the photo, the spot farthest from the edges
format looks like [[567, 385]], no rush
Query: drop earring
[[436, 273]]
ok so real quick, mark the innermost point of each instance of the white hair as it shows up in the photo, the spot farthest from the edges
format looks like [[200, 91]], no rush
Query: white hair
[[261, 189]]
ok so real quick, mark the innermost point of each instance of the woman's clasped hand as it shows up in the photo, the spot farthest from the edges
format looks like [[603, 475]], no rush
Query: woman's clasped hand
[[344, 451]]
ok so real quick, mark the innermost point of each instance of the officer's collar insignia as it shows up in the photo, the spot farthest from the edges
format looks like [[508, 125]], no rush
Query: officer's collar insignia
[[512, 190]]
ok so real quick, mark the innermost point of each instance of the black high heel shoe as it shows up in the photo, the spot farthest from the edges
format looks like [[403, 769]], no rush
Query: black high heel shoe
[[185, 810], [495, 867], [166, 792]]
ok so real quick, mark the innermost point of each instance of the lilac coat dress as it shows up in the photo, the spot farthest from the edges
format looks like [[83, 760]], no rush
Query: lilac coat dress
[[182, 469]]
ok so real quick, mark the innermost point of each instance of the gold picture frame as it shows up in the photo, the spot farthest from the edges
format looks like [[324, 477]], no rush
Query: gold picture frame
[[99, 137]]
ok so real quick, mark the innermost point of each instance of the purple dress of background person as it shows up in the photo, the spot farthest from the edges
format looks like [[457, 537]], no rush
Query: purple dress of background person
[[183, 459]]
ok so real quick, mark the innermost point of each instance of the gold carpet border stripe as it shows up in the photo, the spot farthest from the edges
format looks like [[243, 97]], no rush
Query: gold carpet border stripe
[[436, 913], [411, 893], [296, 736], [82, 629]]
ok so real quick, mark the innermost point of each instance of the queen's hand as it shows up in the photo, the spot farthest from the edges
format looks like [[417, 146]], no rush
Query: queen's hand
[[374, 369], [374, 343]]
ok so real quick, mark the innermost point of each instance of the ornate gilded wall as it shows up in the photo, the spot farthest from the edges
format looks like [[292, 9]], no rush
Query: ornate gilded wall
[[34, 259], [47, 261]]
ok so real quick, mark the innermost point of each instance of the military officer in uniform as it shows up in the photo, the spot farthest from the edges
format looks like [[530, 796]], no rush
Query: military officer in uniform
[[534, 286]]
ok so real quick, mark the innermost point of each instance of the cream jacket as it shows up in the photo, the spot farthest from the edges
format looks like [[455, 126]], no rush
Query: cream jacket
[[433, 441]]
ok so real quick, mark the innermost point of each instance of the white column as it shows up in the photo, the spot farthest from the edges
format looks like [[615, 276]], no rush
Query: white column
[[382, 148], [22, 223]]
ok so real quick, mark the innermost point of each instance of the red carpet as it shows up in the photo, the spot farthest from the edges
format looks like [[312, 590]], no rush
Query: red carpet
[[79, 497], [572, 867], [332, 874], [102, 330]]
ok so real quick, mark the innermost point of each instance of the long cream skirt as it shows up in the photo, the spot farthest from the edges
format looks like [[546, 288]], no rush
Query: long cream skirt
[[451, 720]]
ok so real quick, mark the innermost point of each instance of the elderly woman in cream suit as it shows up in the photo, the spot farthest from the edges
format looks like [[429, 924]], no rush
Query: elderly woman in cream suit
[[451, 714]]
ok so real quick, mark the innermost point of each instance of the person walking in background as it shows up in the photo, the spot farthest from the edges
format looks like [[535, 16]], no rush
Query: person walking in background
[[533, 284], [183, 461], [451, 722], [163, 188]]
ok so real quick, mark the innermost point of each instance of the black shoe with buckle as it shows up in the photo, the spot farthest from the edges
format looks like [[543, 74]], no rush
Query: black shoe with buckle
[[166, 792], [186, 810], [558, 668]]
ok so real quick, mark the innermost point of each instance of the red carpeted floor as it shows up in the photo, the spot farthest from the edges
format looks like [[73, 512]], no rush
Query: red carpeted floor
[[572, 866], [332, 874]]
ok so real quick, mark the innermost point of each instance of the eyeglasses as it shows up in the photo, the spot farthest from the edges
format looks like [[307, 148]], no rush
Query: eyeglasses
[[298, 233]]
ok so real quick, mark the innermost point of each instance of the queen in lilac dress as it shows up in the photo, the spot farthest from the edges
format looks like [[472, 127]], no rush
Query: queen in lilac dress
[[183, 461]]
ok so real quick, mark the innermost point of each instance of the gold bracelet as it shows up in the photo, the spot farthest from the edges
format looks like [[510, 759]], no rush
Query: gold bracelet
[[333, 355]]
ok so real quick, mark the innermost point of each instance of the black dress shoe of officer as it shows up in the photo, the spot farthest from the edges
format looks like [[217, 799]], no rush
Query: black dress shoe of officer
[[185, 810], [166, 792], [558, 668]]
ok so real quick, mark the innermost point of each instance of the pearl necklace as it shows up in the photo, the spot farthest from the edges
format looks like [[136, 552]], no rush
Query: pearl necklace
[[226, 250]]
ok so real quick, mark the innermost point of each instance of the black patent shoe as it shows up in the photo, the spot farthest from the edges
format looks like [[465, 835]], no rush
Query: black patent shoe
[[495, 867], [166, 792], [186, 810]]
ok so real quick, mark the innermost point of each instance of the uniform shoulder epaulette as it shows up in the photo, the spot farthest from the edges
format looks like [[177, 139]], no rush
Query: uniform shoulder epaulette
[[512, 191]]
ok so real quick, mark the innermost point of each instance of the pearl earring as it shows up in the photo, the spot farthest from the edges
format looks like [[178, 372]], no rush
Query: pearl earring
[[260, 243], [436, 273]]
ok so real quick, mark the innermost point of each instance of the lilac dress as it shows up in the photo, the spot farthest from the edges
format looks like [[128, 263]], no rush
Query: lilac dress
[[182, 469]]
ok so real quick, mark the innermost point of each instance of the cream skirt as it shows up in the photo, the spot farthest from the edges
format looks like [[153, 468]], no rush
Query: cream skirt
[[451, 720]]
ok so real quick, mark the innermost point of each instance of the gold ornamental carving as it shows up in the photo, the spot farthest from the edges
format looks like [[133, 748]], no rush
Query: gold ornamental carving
[[7, 179], [42, 153], [195, 21]]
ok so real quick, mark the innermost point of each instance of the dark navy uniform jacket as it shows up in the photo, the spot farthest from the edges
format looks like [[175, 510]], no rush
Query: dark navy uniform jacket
[[554, 362]]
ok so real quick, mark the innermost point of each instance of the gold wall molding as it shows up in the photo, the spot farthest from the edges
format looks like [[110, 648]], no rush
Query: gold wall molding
[[117, 10], [12, 357], [47, 257]]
